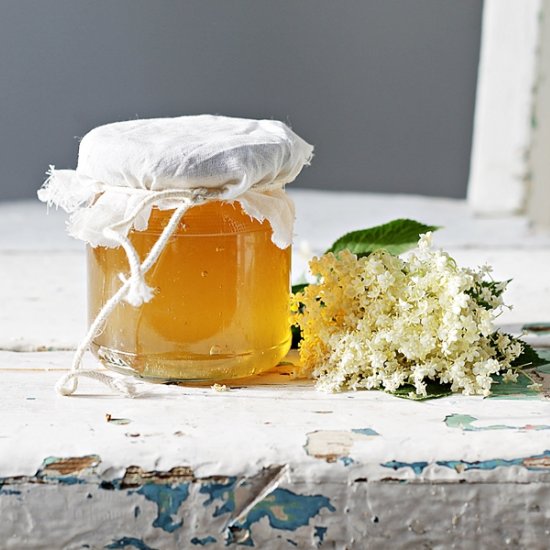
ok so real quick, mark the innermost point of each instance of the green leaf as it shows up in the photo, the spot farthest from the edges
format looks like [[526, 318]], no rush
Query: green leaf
[[529, 358], [496, 288], [520, 389], [434, 390], [299, 287], [296, 336], [396, 237]]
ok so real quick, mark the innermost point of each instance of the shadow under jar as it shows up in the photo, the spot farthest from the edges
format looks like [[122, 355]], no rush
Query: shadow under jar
[[221, 303]]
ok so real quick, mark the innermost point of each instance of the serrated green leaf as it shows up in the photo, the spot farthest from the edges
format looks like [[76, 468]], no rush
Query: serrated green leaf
[[396, 237], [434, 390], [529, 358]]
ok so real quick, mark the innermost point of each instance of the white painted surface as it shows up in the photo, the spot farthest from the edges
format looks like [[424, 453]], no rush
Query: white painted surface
[[385, 467], [266, 422], [289, 447], [504, 106], [43, 300]]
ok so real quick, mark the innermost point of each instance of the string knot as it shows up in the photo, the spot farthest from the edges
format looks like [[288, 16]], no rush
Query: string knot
[[139, 292]]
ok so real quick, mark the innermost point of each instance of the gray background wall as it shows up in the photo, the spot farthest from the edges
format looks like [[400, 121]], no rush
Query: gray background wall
[[383, 88]]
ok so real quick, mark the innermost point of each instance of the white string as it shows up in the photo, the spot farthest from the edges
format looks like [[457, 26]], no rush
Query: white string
[[68, 383], [134, 289]]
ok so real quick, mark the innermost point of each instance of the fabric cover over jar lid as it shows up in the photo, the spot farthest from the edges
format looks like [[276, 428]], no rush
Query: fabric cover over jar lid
[[170, 159]]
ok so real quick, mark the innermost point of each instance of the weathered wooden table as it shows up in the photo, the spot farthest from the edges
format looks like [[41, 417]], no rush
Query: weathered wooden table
[[271, 463]]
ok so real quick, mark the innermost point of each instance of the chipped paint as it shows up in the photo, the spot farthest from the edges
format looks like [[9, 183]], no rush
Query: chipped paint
[[55, 466], [331, 445], [220, 490], [466, 423], [67, 471], [168, 499], [283, 509], [364, 431], [126, 542], [538, 463], [250, 491], [9, 491], [119, 421], [134, 476], [534, 463], [204, 541], [416, 467], [319, 533]]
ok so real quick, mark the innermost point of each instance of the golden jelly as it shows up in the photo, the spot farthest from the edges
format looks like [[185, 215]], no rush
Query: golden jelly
[[220, 309]]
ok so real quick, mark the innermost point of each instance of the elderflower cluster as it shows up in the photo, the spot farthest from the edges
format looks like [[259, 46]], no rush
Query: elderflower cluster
[[382, 321]]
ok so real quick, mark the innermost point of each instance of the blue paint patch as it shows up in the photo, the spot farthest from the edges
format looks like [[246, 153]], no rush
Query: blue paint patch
[[535, 463], [168, 499], [126, 542], [365, 431], [416, 467], [204, 541], [220, 491], [284, 510], [320, 533], [9, 492], [346, 460], [64, 480], [466, 423]]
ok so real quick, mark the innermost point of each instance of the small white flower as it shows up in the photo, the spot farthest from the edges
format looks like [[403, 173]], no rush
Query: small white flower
[[510, 376]]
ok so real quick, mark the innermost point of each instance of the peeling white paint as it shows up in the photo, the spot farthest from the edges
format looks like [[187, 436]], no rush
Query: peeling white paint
[[272, 461]]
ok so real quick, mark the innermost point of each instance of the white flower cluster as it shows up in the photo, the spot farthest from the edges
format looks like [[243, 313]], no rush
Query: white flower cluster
[[382, 321]]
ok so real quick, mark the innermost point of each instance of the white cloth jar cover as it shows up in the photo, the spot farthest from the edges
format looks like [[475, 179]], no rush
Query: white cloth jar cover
[[127, 168]]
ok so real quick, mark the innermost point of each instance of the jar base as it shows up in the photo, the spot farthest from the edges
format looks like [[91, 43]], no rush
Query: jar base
[[173, 367]]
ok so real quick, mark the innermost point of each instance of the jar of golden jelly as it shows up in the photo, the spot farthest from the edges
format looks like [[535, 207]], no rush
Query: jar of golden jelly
[[220, 308], [189, 235]]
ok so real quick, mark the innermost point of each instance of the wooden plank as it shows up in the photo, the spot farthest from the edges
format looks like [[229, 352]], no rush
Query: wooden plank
[[508, 73], [267, 462], [538, 204]]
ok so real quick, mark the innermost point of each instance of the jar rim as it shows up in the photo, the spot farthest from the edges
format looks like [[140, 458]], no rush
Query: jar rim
[[214, 218]]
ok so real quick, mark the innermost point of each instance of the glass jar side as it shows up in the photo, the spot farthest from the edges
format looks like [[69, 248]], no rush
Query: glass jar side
[[221, 304]]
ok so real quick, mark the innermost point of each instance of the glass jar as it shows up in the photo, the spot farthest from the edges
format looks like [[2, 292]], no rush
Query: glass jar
[[221, 304]]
